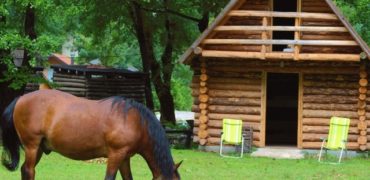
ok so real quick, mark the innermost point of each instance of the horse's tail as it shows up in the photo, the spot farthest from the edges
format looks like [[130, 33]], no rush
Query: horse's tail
[[10, 139]]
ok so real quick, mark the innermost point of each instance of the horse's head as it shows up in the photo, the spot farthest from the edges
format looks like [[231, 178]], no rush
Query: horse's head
[[175, 175]]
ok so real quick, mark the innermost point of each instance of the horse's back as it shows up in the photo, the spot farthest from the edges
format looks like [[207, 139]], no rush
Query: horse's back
[[39, 106], [33, 107]]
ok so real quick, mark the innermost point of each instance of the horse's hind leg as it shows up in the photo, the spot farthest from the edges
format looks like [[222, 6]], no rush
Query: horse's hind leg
[[114, 162], [125, 170], [33, 156]]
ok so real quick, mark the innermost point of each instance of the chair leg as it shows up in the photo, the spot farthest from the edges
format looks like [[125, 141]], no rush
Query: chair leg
[[340, 156], [242, 151], [322, 146], [221, 148]]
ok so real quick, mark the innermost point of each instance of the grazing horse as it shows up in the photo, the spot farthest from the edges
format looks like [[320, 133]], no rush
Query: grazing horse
[[81, 129]]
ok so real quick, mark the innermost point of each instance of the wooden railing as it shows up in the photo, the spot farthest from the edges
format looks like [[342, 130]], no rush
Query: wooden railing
[[287, 42], [327, 16], [266, 28]]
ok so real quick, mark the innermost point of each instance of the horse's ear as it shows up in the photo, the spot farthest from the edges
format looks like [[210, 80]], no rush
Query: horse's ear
[[178, 165]]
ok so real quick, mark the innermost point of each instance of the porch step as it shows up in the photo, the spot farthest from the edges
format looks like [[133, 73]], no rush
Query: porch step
[[279, 152]]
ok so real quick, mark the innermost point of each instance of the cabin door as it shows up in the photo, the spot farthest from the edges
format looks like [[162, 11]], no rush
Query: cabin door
[[282, 109]]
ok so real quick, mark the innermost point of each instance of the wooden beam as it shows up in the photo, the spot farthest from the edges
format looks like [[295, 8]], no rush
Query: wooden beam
[[330, 57], [287, 56], [270, 23], [300, 111], [296, 37], [264, 37], [297, 34], [327, 16], [282, 28], [263, 109], [284, 42]]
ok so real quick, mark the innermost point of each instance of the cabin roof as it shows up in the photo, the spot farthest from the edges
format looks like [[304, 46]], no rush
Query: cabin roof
[[83, 69], [59, 59], [196, 48]]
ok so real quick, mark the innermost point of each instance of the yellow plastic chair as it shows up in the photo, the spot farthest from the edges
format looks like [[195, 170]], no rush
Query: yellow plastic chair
[[232, 134], [337, 138]]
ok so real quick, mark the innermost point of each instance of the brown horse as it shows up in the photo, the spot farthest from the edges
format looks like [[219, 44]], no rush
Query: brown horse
[[81, 129]]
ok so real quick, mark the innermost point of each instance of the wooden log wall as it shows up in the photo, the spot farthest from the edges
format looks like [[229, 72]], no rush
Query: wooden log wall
[[234, 95], [102, 86], [365, 125], [325, 96], [320, 6], [203, 132], [362, 127], [234, 89], [73, 84], [195, 85], [31, 87]]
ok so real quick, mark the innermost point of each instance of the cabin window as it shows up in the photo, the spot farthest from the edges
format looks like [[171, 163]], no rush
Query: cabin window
[[284, 6]]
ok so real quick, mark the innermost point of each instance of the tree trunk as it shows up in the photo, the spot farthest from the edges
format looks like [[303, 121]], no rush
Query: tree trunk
[[162, 83], [30, 31], [162, 86], [163, 90], [167, 105], [142, 34]]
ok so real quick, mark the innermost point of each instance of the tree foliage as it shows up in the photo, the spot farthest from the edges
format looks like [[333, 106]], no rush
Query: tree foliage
[[149, 35], [358, 13], [48, 36]]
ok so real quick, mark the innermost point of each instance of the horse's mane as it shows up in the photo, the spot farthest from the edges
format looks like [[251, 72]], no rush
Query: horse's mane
[[162, 153]]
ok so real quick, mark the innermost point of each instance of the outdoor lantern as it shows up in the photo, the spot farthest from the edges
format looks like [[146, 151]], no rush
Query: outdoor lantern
[[18, 56]]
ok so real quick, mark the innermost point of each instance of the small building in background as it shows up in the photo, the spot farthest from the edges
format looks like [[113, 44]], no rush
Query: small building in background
[[91, 81]]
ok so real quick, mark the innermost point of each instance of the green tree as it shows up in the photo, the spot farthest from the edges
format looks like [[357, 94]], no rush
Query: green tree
[[358, 13], [34, 26], [162, 30]]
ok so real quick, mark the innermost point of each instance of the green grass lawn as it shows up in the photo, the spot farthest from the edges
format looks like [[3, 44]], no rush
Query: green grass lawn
[[203, 165]]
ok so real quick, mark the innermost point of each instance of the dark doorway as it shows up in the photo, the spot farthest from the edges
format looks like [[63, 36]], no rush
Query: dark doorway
[[283, 6], [282, 109]]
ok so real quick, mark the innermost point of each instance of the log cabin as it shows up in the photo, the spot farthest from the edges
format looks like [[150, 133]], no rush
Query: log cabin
[[284, 67]]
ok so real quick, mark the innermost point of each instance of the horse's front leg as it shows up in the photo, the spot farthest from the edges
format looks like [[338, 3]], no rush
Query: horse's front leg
[[114, 162], [125, 170], [33, 156]]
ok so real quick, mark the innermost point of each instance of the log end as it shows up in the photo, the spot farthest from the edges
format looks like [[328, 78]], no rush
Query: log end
[[202, 142], [203, 134], [198, 50], [362, 140], [363, 147]]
